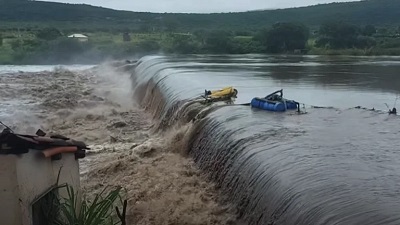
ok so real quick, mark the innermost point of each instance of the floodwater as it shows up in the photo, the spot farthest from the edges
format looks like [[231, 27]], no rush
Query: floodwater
[[336, 165], [5, 69], [18, 102]]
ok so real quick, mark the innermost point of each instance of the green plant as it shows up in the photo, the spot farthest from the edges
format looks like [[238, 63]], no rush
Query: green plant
[[99, 211], [53, 210], [50, 209]]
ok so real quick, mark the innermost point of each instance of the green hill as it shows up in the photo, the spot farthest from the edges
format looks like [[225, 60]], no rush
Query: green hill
[[36, 13]]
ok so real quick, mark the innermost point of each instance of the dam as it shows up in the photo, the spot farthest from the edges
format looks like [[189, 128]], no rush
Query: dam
[[335, 164]]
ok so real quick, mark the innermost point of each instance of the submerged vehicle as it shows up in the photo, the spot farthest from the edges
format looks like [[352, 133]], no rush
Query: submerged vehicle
[[223, 94], [275, 102]]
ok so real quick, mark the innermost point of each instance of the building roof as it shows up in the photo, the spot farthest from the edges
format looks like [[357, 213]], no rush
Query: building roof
[[12, 143], [77, 36]]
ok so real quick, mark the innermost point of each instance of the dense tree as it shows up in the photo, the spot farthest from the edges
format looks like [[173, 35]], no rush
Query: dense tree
[[183, 44], [383, 31], [201, 36], [171, 25], [31, 45], [16, 44], [364, 42], [243, 45], [338, 29], [369, 30], [218, 41], [337, 35], [284, 37], [49, 34]]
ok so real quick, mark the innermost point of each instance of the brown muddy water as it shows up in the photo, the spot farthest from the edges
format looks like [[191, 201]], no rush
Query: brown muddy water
[[95, 105], [332, 165]]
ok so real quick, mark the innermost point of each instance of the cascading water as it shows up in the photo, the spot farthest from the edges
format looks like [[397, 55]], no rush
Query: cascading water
[[329, 166]]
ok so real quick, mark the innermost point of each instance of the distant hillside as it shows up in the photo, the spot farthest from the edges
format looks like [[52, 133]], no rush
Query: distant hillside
[[36, 13]]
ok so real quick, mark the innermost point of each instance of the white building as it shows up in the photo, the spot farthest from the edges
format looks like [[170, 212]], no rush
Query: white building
[[80, 37]]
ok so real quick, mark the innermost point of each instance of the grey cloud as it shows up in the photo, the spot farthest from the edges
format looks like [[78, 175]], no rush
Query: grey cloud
[[198, 6]]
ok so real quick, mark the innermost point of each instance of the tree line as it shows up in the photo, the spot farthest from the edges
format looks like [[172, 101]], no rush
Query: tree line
[[50, 45]]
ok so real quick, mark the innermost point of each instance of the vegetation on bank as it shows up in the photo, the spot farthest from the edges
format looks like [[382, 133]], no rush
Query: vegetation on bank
[[33, 32], [51, 45]]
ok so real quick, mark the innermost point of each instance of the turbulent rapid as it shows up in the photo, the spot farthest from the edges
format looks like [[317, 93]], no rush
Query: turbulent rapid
[[95, 106], [337, 164]]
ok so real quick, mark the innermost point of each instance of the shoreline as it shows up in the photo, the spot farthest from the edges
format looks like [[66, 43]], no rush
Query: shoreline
[[161, 185], [337, 53]]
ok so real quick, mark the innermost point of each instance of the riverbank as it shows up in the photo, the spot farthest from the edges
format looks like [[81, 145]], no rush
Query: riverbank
[[51, 46], [356, 52], [95, 106]]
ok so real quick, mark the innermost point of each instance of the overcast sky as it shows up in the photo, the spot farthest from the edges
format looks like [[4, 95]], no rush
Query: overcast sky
[[197, 6]]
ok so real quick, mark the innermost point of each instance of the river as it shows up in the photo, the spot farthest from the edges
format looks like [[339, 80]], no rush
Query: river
[[12, 103], [336, 165], [332, 165], [6, 69]]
